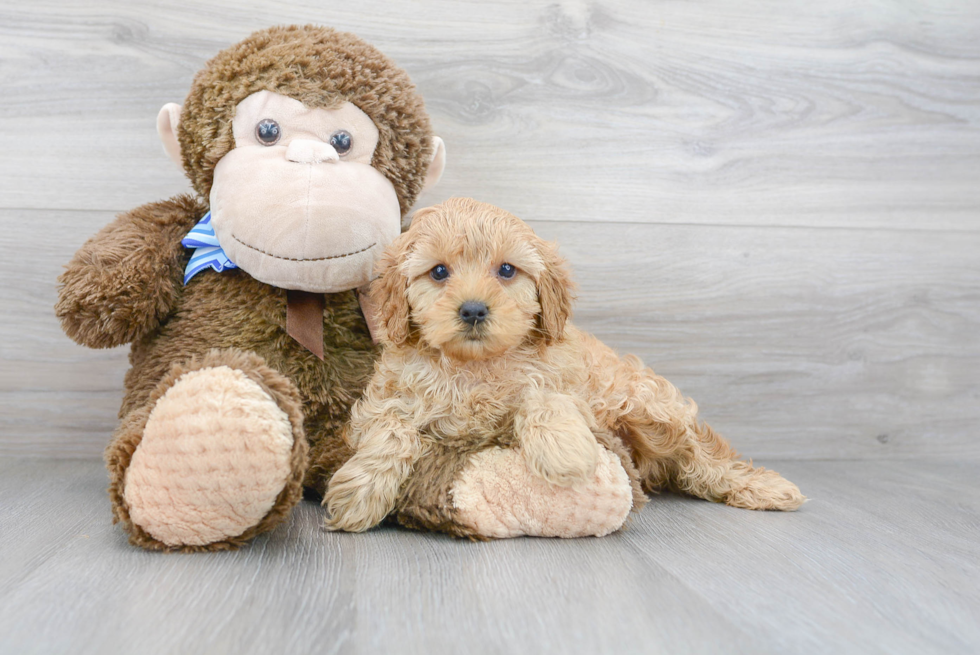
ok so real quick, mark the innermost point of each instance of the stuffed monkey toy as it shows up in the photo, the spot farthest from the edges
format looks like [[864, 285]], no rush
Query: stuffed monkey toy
[[305, 148]]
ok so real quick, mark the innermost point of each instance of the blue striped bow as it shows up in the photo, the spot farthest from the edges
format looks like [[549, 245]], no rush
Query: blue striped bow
[[207, 251]]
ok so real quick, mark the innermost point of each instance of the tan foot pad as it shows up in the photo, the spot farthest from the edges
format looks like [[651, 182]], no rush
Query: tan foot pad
[[499, 497], [214, 456]]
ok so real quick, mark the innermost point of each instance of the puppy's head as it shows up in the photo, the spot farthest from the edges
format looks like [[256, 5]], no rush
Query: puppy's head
[[472, 281]]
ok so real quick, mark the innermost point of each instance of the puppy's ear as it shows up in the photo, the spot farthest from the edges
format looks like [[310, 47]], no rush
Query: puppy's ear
[[389, 291], [555, 294]]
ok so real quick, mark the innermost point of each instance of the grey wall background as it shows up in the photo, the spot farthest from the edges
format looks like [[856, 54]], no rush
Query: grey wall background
[[775, 204]]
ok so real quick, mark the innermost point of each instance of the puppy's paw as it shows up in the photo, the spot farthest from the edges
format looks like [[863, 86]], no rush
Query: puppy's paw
[[766, 490], [555, 438], [565, 455], [355, 501]]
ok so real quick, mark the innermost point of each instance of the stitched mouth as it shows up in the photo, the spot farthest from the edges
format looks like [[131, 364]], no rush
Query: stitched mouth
[[310, 259]]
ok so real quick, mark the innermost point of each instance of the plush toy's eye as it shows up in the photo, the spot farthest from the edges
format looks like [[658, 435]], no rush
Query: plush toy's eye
[[342, 142], [439, 273], [507, 271], [267, 132]]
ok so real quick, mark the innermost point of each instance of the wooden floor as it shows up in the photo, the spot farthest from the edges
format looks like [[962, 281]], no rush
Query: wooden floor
[[885, 558]]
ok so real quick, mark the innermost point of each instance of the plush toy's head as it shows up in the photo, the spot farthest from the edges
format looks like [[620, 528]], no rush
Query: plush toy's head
[[311, 146]]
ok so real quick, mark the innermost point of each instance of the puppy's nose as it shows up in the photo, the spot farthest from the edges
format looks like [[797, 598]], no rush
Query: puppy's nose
[[473, 312]]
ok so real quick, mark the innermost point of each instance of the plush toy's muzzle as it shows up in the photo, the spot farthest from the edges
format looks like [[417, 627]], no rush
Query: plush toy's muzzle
[[316, 227], [296, 203]]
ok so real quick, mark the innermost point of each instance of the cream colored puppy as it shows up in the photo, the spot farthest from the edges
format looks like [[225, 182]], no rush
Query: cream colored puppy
[[475, 313]]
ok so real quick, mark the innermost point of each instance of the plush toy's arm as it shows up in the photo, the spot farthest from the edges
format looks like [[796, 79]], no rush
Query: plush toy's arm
[[127, 278]]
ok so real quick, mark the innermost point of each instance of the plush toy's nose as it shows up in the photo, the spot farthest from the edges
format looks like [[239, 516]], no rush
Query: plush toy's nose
[[307, 151], [473, 312]]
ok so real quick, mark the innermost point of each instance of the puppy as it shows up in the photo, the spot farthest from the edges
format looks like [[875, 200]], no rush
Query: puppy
[[474, 310]]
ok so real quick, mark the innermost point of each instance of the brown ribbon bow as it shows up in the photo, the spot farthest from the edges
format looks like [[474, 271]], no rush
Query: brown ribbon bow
[[304, 317]]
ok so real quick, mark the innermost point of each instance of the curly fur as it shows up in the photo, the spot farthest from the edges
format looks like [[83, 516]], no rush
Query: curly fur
[[525, 371]]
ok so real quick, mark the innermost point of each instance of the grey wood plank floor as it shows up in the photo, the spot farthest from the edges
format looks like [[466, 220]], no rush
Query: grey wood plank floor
[[737, 113], [798, 343], [885, 558]]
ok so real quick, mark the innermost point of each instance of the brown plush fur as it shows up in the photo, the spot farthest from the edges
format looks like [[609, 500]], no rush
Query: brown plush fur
[[209, 313], [125, 284], [320, 67], [524, 376], [127, 278]]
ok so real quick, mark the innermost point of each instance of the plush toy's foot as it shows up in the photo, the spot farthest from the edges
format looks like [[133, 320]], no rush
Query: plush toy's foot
[[498, 496], [217, 460]]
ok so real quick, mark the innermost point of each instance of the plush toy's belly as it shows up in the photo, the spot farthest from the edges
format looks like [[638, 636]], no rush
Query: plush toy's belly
[[232, 310]]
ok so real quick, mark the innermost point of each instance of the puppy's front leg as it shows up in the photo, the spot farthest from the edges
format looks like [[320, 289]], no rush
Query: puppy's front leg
[[364, 490], [556, 439]]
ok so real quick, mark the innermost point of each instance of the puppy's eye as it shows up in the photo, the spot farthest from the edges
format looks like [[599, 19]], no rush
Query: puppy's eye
[[439, 273], [342, 142], [268, 132], [507, 271]]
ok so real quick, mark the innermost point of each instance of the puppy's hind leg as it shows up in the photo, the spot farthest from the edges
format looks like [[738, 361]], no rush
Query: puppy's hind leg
[[705, 465], [673, 449]]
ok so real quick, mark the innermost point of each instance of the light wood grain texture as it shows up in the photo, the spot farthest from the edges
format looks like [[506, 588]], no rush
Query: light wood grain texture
[[796, 342], [751, 113], [884, 559], [774, 204]]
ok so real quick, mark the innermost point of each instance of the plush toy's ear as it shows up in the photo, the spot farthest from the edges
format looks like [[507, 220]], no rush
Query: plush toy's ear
[[555, 289], [438, 163], [167, 121]]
